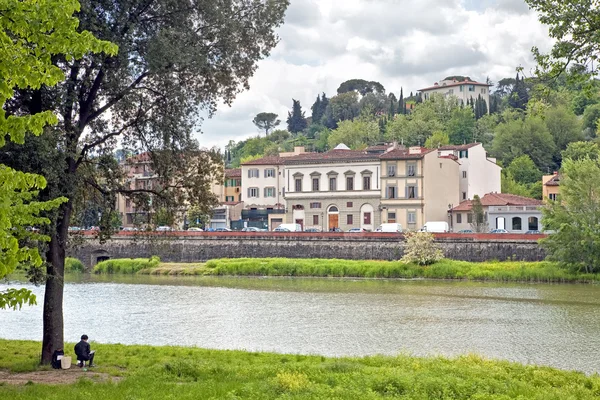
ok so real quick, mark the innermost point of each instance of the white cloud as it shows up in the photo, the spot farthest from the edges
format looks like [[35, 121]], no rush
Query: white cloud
[[399, 43]]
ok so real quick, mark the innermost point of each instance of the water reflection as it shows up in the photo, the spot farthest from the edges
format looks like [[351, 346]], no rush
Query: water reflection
[[542, 324]]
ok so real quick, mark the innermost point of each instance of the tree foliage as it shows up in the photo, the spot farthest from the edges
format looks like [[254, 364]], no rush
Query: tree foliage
[[575, 217], [437, 139], [361, 86], [296, 121], [266, 121], [479, 223], [355, 134], [420, 248]]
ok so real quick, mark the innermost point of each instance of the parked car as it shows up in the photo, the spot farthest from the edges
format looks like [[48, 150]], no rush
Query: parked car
[[533, 232], [129, 229], [251, 229], [498, 231], [281, 229], [335, 230], [313, 230], [195, 229], [222, 230], [74, 229], [289, 227], [164, 229], [389, 227], [465, 231], [435, 227], [354, 230]]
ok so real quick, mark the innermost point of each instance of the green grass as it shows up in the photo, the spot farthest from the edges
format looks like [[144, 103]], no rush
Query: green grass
[[505, 271], [192, 373], [73, 265]]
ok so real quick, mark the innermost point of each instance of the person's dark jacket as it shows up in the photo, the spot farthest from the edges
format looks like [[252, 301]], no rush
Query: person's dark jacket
[[82, 350]]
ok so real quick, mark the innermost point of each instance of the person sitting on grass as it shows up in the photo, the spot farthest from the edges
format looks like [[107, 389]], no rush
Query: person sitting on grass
[[82, 350]]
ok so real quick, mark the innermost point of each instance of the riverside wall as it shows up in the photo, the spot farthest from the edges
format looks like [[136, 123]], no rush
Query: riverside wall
[[202, 246]]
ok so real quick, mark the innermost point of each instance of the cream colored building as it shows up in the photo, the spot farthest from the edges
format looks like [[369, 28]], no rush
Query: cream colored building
[[479, 174], [551, 186], [417, 186], [462, 90], [232, 191], [336, 189]]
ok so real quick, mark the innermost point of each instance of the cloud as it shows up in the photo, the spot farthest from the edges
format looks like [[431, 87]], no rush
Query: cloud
[[399, 43]]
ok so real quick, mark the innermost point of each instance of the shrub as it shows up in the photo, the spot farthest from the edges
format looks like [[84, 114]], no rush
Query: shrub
[[126, 265], [73, 265], [421, 249]]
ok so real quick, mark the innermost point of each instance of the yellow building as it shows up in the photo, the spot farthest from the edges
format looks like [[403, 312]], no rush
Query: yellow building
[[551, 186], [417, 186], [233, 185]]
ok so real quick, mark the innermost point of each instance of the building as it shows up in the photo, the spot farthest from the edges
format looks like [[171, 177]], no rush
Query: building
[[232, 185], [138, 175], [479, 174], [336, 189], [551, 186], [514, 213], [417, 186], [225, 215], [463, 90]]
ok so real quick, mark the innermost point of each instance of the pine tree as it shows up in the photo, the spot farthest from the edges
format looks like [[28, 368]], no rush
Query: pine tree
[[296, 121], [324, 104], [316, 110], [519, 96], [484, 107]]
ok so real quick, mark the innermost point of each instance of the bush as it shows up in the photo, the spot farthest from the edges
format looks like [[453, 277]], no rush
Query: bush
[[74, 265], [126, 265], [421, 249]]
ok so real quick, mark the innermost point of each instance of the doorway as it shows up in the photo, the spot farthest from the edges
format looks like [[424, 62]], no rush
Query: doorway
[[333, 219]]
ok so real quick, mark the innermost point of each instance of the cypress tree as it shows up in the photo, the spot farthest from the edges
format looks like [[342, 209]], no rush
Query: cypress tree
[[324, 104], [296, 121], [401, 105], [316, 110]]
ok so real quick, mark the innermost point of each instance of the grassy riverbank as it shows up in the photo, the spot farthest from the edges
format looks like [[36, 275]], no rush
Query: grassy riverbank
[[508, 271], [146, 372]]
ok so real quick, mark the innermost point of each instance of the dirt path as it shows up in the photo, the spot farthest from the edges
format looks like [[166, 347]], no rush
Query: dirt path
[[55, 377]]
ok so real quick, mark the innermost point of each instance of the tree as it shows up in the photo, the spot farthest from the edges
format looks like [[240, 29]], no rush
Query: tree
[[175, 59], [577, 151], [32, 33], [393, 105], [461, 126], [524, 171], [518, 96], [401, 103], [564, 126], [197, 218], [316, 110], [361, 86], [574, 25], [296, 121], [591, 115], [437, 139], [374, 103], [266, 121], [355, 134], [575, 217], [479, 223], [421, 249], [340, 108]]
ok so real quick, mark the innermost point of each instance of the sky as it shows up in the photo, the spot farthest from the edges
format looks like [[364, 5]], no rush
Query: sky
[[399, 43]]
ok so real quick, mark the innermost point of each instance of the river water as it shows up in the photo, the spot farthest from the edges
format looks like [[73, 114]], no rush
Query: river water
[[554, 325]]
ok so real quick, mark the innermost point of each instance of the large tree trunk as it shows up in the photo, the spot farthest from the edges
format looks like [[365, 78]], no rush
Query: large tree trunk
[[53, 333]]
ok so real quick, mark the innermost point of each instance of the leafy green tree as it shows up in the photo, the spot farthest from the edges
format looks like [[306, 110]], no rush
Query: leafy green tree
[[575, 217], [581, 100], [374, 103], [577, 151], [484, 129], [523, 170], [296, 122], [197, 217], [461, 126], [355, 134], [32, 34], [266, 121], [505, 87], [341, 108], [564, 126], [479, 223], [519, 96], [361, 86], [437, 139], [510, 185], [175, 59], [530, 136], [591, 115]]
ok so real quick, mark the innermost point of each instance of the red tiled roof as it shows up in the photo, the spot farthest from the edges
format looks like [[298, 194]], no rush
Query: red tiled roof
[[458, 147], [269, 160], [379, 147], [404, 154], [499, 199], [454, 84], [450, 156], [331, 156], [554, 181], [233, 173]]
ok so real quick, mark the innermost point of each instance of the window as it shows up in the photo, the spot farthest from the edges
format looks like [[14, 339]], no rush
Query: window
[[270, 173], [483, 91], [253, 173], [252, 192], [463, 154], [464, 174], [269, 192], [298, 183], [391, 192], [411, 170], [315, 205], [391, 170], [332, 184], [349, 183], [552, 196], [461, 88], [128, 203], [315, 184], [391, 217], [469, 218], [349, 204], [366, 183], [464, 195], [451, 91], [532, 222], [349, 219], [412, 217], [229, 198], [471, 88], [516, 224], [411, 192], [367, 218], [315, 220], [459, 218]]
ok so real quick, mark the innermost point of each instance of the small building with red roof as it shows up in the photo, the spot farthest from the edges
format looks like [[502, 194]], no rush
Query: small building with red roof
[[464, 89]]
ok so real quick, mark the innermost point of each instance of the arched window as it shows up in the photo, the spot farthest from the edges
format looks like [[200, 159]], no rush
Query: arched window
[[516, 224], [333, 209], [533, 223]]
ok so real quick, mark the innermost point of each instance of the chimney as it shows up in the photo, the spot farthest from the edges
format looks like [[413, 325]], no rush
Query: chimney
[[414, 150], [435, 84]]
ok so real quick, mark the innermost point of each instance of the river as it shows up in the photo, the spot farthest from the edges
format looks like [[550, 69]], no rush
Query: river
[[555, 325]]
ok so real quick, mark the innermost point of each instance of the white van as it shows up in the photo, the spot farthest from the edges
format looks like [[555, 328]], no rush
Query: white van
[[435, 227], [389, 227], [288, 228]]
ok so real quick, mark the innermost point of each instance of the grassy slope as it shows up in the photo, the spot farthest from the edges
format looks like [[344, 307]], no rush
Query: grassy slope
[[192, 373], [445, 269]]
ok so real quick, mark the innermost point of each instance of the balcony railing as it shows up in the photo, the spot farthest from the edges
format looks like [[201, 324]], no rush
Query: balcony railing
[[513, 208]]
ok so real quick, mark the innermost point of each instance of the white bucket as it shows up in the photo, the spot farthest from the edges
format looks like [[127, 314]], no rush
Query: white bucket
[[65, 362]]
